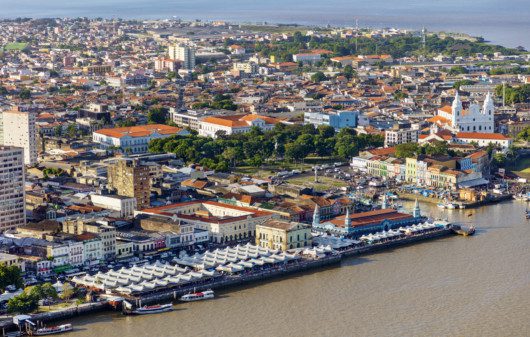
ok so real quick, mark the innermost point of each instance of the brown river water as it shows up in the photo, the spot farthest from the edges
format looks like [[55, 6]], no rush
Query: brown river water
[[454, 286]]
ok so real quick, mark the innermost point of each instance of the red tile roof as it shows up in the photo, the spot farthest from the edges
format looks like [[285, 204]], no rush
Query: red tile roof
[[235, 121], [139, 131], [481, 135], [370, 218]]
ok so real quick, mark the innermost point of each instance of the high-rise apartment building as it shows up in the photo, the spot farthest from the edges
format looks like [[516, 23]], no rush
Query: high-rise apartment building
[[19, 129], [183, 53], [12, 208], [131, 179]]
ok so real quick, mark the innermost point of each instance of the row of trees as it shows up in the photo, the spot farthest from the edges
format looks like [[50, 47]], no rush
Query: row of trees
[[397, 46], [219, 101], [290, 142], [519, 94], [28, 300], [409, 150]]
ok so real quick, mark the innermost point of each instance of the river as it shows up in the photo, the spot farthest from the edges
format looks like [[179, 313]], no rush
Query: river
[[455, 286], [504, 22]]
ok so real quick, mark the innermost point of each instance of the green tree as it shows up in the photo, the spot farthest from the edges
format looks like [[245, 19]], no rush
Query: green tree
[[296, 151], [460, 83], [231, 154], [346, 146], [22, 304], [399, 95], [457, 70], [318, 77], [10, 275], [67, 291], [58, 130], [157, 115], [437, 148], [25, 94], [326, 131], [407, 150], [71, 130]]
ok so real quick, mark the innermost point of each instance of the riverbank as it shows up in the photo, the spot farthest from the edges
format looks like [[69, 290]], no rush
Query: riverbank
[[230, 281], [461, 204]]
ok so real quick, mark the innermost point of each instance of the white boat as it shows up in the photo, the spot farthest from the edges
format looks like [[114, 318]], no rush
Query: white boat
[[447, 205], [52, 330], [153, 309], [198, 296]]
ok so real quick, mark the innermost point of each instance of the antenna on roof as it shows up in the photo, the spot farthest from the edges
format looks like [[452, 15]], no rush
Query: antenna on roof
[[423, 37]]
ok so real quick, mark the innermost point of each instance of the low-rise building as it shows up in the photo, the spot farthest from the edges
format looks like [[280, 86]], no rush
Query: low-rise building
[[283, 235], [337, 119], [12, 260], [224, 223], [484, 139], [122, 204], [358, 224], [229, 125], [134, 139]]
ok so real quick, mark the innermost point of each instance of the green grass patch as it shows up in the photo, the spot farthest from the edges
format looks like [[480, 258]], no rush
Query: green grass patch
[[16, 46], [323, 184]]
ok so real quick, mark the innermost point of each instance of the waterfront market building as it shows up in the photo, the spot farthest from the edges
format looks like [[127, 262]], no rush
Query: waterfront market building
[[359, 224]]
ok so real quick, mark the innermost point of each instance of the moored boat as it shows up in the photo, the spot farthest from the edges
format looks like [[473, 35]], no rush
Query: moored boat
[[52, 330], [198, 296], [463, 230], [153, 309], [450, 205]]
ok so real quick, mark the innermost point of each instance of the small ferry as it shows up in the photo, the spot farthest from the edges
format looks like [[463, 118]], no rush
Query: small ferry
[[463, 230], [198, 296], [447, 205], [153, 309], [52, 330]]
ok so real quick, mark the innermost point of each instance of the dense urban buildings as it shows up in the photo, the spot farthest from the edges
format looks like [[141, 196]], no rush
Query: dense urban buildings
[[147, 155]]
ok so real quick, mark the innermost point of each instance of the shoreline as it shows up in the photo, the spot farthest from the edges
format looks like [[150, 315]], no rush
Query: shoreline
[[461, 204], [273, 24], [235, 281]]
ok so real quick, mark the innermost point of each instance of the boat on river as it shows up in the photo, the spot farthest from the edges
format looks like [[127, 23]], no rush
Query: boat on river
[[198, 296], [463, 230], [52, 330], [153, 309], [447, 205]]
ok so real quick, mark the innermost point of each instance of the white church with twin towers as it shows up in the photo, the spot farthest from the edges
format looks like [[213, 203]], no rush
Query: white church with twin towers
[[474, 119]]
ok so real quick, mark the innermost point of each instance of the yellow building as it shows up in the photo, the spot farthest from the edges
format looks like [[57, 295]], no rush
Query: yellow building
[[12, 260], [283, 235]]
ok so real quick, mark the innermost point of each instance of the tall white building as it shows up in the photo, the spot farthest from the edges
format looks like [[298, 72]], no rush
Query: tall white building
[[401, 136], [183, 53], [19, 130], [12, 208], [474, 119]]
